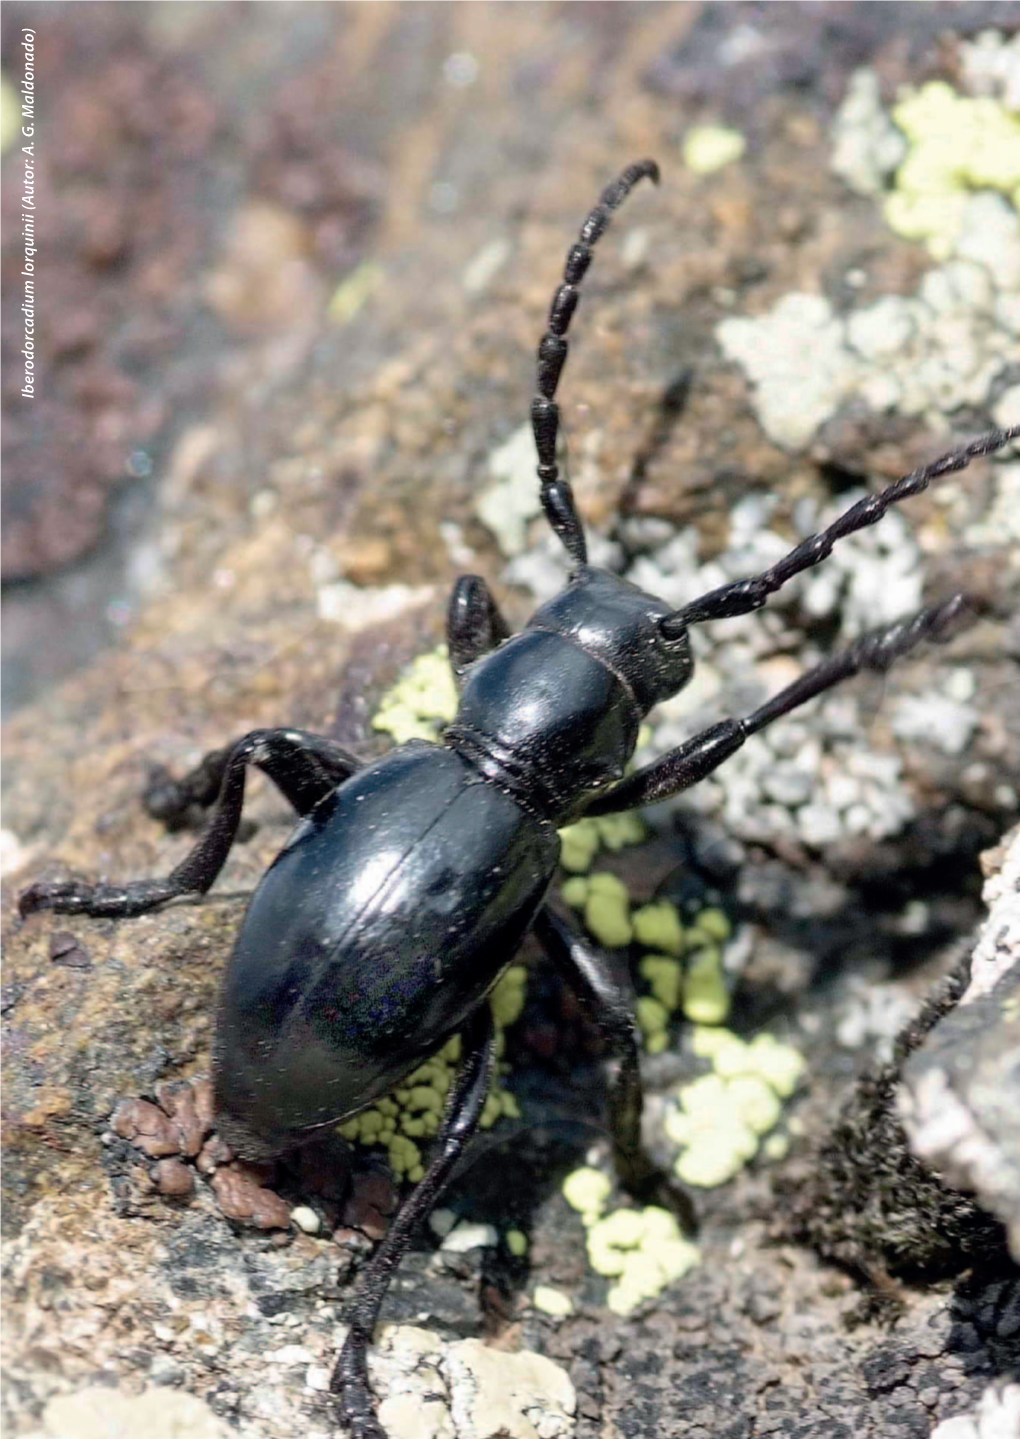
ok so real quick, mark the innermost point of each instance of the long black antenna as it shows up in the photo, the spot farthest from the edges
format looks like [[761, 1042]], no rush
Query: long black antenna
[[743, 596], [557, 496]]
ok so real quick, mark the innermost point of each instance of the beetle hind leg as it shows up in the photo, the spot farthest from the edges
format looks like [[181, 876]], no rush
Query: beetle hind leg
[[463, 1111], [602, 983], [304, 767]]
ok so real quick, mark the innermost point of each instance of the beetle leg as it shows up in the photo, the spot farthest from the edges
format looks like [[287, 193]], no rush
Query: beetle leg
[[463, 1111], [602, 982], [474, 624], [690, 762], [304, 767]]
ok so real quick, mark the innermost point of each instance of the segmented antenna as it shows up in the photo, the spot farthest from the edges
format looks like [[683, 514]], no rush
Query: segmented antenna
[[557, 496], [743, 596]]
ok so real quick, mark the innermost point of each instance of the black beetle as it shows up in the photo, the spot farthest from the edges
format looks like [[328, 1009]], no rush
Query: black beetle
[[410, 882]]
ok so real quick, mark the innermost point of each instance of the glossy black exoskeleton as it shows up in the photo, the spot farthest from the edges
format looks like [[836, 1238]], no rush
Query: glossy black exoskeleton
[[411, 882]]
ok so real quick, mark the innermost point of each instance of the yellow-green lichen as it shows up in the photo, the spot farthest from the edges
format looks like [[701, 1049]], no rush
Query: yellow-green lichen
[[517, 1243], [665, 977], [700, 990], [605, 903], [658, 926], [353, 291], [706, 997], [720, 1118], [586, 1190], [958, 144], [776, 1146], [780, 1065], [421, 702], [552, 1301], [713, 923], [653, 1021], [581, 842], [607, 911], [711, 147], [642, 1249], [617, 831]]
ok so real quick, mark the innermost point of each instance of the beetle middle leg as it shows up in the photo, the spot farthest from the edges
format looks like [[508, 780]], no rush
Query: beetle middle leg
[[603, 985], [304, 767], [463, 1111]]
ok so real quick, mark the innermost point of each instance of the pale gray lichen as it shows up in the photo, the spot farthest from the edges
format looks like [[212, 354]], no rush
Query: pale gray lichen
[[990, 65], [357, 607], [512, 500], [867, 146], [943, 348], [99, 1412], [926, 354], [796, 357], [434, 1388]]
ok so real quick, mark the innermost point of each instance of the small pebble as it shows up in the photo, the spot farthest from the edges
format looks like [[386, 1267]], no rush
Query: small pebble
[[441, 1221], [240, 1196], [173, 1178], [146, 1127], [65, 949], [306, 1219], [470, 1236], [819, 824], [552, 1301]]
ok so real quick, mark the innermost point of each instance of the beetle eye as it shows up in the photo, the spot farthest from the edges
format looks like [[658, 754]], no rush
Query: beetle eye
[[671, 632]]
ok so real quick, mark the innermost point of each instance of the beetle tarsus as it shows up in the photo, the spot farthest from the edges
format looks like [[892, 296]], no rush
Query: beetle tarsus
[[349, 1383]]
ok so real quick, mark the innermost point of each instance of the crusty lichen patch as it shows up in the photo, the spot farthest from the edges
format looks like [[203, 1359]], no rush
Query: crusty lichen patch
[[436, 1389], [421, 702], [956, 187], [956, 144], [708, 148], [642, 1250], [721, 1118], [685, 970], [99, 1412]]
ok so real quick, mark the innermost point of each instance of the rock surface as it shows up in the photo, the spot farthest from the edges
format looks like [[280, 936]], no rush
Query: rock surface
[[348, 452], [961, 1091]]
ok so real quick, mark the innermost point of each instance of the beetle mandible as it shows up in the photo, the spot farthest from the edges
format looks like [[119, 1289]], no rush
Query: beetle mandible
[[410, 882]]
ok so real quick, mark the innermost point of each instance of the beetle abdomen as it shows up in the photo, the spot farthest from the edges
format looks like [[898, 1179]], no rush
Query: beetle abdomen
[[383, 922]]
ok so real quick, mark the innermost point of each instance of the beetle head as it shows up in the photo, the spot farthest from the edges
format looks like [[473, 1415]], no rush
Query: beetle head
[[621, 625]]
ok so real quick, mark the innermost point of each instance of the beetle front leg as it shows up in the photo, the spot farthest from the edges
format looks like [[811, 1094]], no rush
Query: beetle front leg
[[602, 983], [304, 767], [463, 1111], [474, 624], [681, 768]]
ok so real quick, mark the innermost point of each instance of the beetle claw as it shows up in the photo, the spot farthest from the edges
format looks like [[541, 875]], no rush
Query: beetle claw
[[65, 896]]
